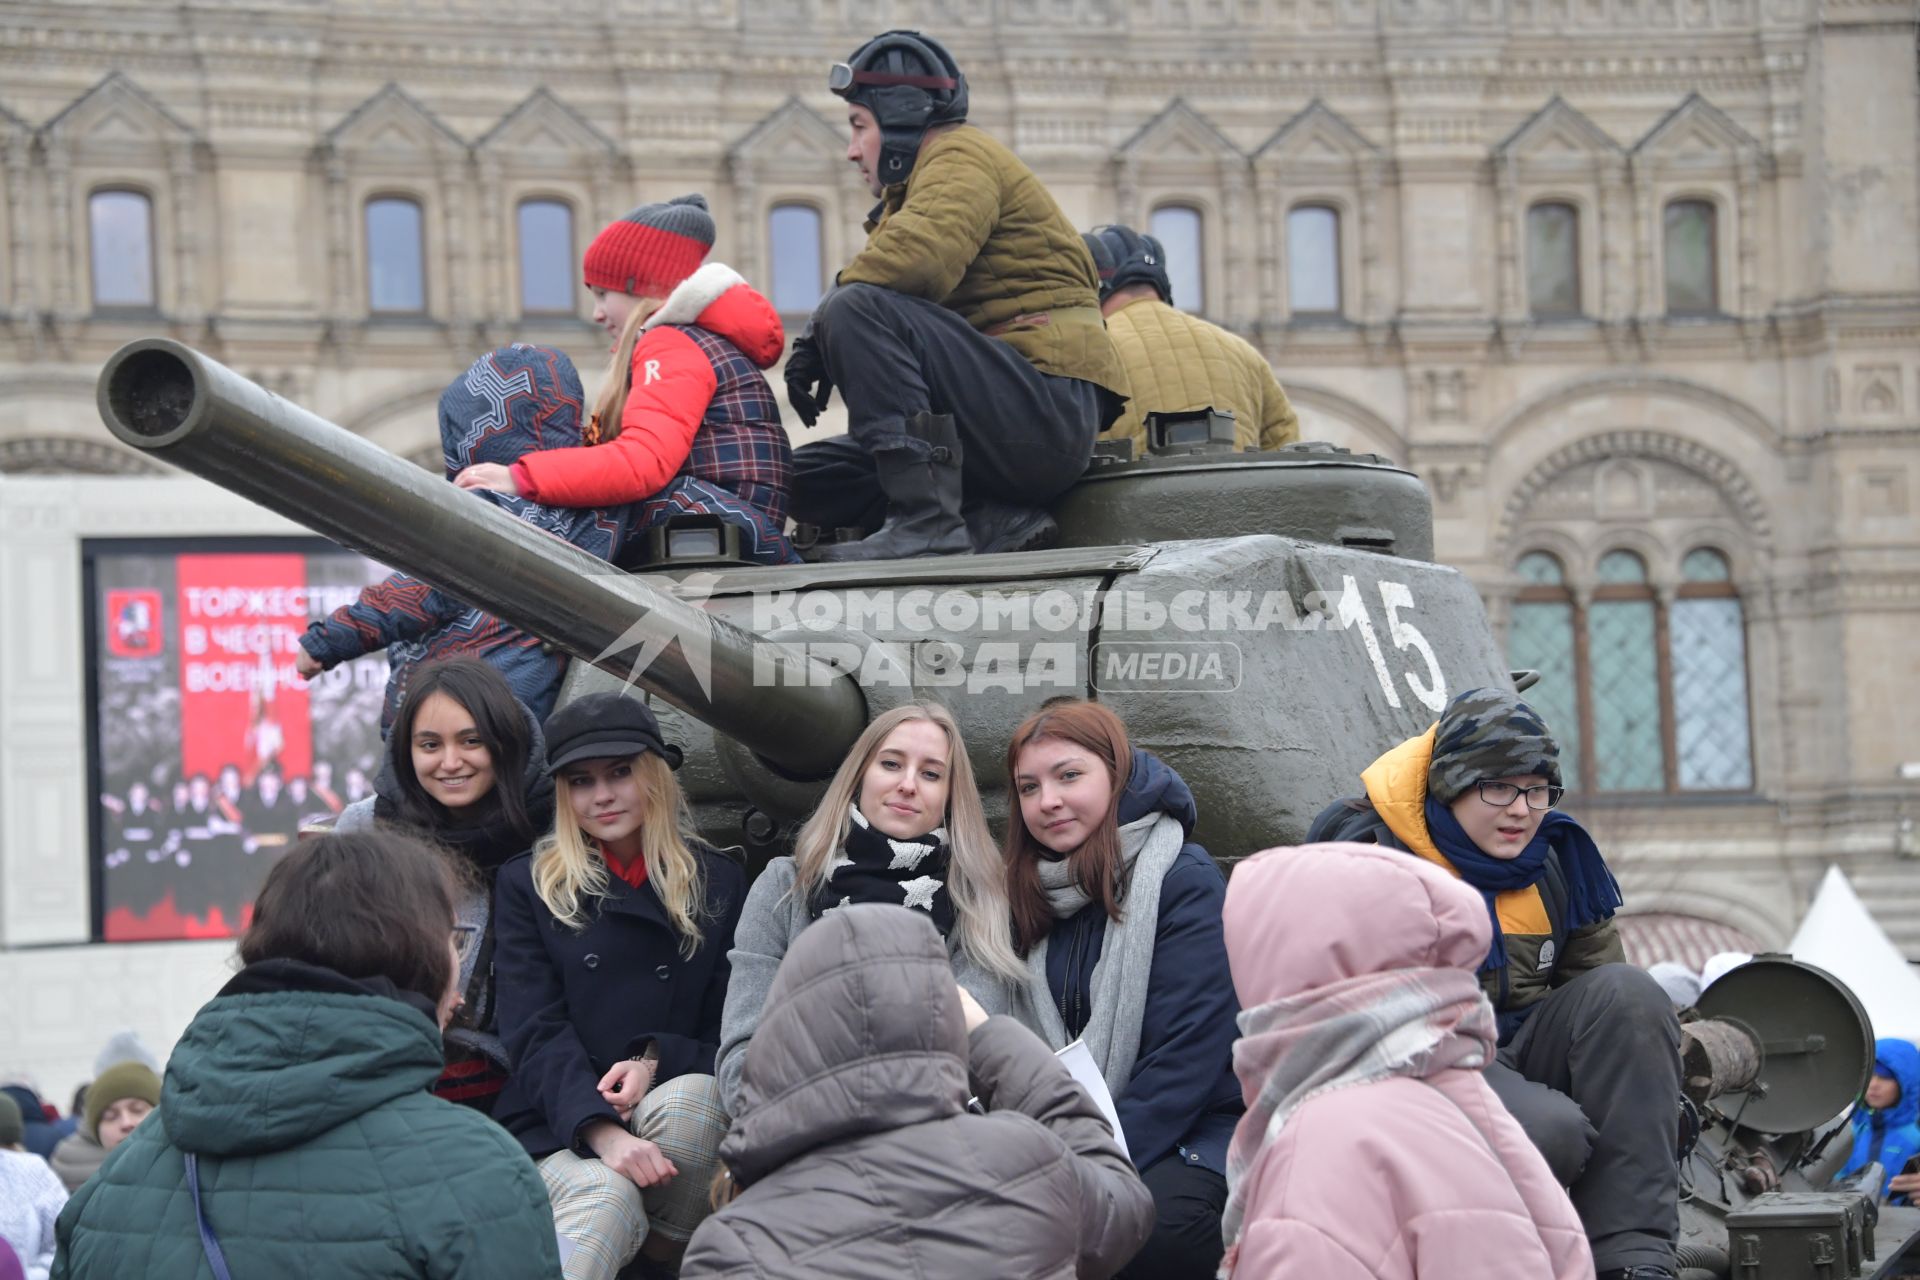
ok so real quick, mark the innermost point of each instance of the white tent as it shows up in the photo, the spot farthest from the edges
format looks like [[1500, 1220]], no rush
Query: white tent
[[1840, 936]]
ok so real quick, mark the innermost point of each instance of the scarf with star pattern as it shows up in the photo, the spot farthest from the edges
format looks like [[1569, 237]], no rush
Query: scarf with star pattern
[[872, 867]]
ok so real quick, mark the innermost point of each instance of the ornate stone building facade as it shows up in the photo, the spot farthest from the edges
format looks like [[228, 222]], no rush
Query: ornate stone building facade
[[1634, 284]]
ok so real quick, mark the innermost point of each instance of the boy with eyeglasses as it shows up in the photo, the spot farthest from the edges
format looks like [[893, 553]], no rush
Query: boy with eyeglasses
[[1589, 1057]]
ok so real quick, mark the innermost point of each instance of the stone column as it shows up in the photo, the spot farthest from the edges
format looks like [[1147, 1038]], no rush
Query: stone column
[[1647, 303], [455, 194], [340, 236], [746, 221], [500, 277], [66, 250], [1273, 289], [1373, 304], [1238, 304], [1126, 182], [1746, 209], [184, 174], [19, 261], [1507, 189]]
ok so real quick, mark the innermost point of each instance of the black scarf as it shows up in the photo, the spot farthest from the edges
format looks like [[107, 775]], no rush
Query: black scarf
[[873, 868]]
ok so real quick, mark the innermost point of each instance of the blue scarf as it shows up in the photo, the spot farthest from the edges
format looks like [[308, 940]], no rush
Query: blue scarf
[[1592, 892]]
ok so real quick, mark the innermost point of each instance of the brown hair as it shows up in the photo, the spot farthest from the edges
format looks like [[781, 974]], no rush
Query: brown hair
[[369, 904], [1095, 864]]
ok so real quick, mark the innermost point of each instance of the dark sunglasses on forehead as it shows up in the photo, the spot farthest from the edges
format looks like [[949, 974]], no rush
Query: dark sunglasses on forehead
[[1502, 794]]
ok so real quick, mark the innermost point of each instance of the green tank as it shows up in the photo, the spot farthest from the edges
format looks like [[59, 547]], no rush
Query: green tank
[[1267, 623]]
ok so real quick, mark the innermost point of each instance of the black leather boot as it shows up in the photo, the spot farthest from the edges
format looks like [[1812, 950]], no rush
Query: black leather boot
[[997, 526], [923, 499]]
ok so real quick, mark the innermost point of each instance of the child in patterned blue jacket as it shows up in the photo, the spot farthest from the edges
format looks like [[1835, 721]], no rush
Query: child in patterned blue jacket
[[518, 400]]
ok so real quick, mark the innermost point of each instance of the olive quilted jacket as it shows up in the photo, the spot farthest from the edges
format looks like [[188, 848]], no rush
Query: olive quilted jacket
[[304, 1096], [1177, 362], [974, 230]]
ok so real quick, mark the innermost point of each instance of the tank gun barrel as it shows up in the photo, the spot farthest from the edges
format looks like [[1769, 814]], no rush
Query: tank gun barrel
[[166, 399]]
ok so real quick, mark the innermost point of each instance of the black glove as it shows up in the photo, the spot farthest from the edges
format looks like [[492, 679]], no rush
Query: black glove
[[808, 386]]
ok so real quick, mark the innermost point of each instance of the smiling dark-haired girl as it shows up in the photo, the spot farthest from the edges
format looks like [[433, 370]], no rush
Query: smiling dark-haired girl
[[465, 769], [613, 939]]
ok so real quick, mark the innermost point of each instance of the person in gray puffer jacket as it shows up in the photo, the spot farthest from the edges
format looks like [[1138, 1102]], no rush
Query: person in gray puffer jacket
[[857, 1154]]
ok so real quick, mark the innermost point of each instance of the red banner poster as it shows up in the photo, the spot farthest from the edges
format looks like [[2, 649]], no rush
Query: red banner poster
[[241, 701]]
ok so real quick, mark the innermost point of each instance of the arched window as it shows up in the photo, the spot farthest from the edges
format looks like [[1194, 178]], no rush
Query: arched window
[[793, 235], [1313, 261], [120, 230], [1711, 739], [1177, 228], [396, 256], [1691, 256], [1641, 696], [1542, 639], [547, 264], [1553, 260]]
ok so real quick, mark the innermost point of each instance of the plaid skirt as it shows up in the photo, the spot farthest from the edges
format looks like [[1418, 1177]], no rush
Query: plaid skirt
[[603, 1218]]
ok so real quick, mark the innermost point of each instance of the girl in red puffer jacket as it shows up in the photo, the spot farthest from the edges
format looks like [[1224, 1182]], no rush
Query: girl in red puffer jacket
[[685, 423]]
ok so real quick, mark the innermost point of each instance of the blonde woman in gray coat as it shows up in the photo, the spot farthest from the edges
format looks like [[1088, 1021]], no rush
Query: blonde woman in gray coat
[[900, 823], [855, 1154]]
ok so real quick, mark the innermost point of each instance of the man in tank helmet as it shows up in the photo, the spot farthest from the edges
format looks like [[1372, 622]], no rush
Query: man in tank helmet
[[965, 338], [1177, 362]]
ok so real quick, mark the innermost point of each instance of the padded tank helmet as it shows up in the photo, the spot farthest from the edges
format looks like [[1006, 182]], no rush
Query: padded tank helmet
[[910, 83], [1122, 257]]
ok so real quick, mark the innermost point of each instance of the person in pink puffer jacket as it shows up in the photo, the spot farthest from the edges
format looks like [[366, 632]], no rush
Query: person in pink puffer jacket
[[1372, 1146]]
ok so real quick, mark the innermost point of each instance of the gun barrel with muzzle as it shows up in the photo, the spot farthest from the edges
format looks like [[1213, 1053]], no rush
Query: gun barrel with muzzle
[[168, 400]]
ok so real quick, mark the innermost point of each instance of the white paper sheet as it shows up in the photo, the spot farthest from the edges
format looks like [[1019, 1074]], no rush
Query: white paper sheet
[[1079, 1063]]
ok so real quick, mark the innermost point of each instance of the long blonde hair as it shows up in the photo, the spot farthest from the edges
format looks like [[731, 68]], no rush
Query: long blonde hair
[[568, 871], [976, 879], [611, 403]]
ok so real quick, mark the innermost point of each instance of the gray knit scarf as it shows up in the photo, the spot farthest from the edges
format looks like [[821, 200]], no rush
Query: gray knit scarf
[[1118, 999]]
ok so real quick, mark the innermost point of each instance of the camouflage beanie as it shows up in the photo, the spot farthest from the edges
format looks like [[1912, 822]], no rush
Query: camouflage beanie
[[1487, 733]]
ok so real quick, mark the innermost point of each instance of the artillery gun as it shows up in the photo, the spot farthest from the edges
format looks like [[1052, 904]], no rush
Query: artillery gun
[[1266, 622]]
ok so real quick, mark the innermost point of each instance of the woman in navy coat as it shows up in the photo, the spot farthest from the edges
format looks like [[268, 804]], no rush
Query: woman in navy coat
[[611, 967], [1118, 914]]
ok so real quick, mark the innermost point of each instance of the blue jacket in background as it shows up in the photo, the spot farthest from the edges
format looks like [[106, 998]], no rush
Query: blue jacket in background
[[1183, 1095], [41, 1135], [510, 402], [1890, 1136]]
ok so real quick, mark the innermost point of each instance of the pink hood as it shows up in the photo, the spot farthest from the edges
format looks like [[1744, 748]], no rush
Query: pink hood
[[1401, 1178]]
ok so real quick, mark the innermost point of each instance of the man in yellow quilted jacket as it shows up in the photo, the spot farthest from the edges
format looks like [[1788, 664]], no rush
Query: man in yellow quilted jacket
[[1175, 361], [965, 337]]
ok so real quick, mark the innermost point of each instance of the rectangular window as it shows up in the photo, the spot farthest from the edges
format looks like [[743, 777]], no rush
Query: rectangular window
[[1553, 260], [396, 257], [1177, 228], [120, 225], [1689, 259], [547, 267], [1313, 261], [793, 232]]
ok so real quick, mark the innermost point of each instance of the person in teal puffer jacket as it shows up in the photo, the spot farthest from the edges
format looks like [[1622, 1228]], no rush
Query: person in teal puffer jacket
[[299, 1097]]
